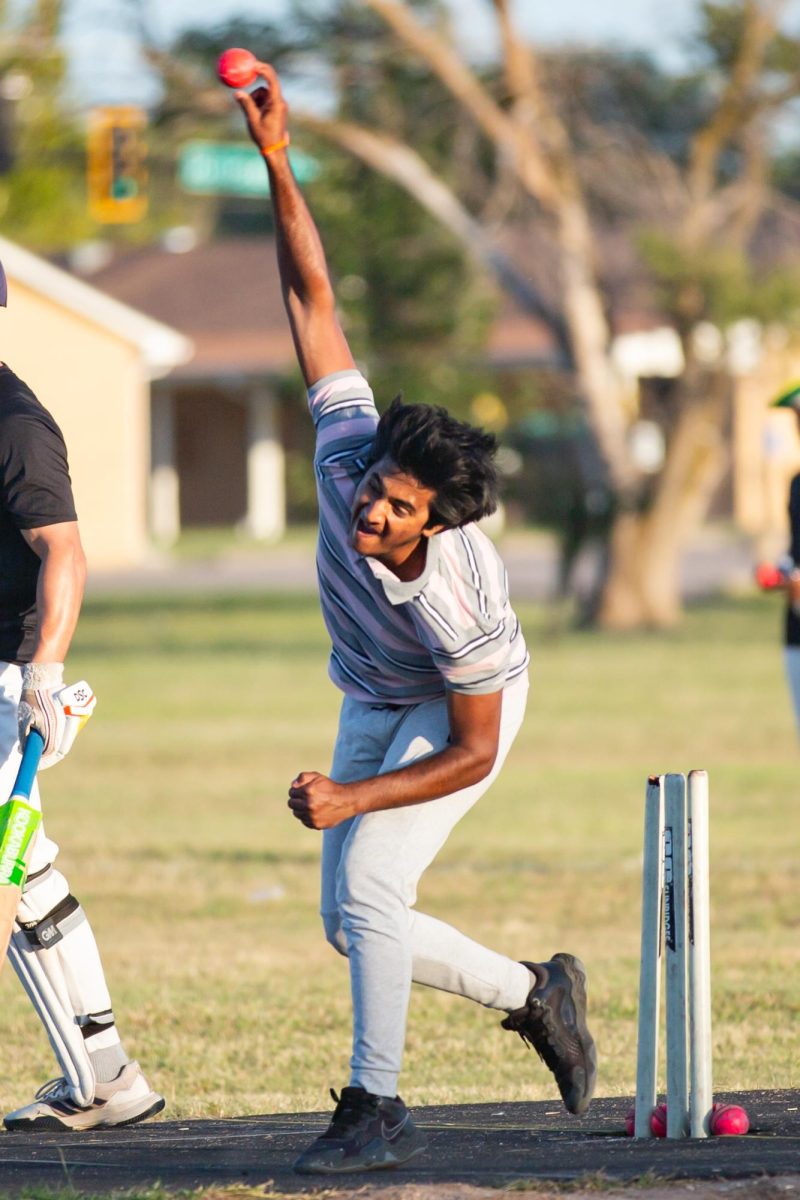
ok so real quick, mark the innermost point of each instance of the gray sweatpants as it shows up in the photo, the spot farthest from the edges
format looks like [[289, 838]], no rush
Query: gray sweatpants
[[370, 868]]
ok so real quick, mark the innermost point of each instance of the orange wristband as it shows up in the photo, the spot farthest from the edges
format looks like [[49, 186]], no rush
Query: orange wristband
[[281, 145]]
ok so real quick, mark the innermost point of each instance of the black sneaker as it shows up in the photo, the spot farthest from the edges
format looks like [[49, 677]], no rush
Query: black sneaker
[[366, 1133], [553, 1021]]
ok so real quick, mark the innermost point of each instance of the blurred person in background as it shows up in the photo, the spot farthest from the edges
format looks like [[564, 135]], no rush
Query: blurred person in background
[[52, 948], [433, 666], [786, 574]]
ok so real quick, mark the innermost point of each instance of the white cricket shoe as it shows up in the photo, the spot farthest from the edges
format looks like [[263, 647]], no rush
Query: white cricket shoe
[[124, 1101]]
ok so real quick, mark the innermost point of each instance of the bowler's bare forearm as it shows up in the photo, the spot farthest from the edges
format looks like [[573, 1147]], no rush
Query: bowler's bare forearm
[[319, 342], [450, 770], [469, 756], [321, 803], [301, 256], [318, 338]]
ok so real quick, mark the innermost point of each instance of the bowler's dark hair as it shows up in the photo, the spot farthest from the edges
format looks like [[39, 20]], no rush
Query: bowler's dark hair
[[453, 458]]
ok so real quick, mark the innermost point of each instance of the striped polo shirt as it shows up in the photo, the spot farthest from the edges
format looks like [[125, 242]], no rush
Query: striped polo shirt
[[395, 641]]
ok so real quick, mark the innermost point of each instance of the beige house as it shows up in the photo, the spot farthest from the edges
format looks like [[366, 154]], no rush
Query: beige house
[[91, 360], [218, 445]]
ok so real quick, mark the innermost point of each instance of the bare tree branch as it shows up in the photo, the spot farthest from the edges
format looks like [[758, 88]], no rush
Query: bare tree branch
[[520, 70], [467, 89], [738, 100], [624, 172], [532, 108], [752, 184], [399, 162]]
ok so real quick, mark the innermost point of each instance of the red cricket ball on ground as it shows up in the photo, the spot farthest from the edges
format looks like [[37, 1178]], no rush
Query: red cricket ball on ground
[[658, 1121], [630, 1122], [237, 67], [729, 1120]]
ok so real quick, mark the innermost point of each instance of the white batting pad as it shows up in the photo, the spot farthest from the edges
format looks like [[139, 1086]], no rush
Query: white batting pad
[[55, 956]]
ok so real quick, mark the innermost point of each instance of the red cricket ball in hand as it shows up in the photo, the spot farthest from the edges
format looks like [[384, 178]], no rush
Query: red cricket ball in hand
[[237, 67]]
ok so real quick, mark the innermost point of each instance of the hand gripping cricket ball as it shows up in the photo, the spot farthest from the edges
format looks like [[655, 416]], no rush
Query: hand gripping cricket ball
[[729, 1120], [236, 67]]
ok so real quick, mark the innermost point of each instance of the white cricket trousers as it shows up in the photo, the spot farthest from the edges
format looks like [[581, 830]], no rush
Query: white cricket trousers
[[44, 850], [370, 868]]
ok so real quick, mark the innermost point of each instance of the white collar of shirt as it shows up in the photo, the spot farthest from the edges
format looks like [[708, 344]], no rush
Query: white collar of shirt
[[400, 591]]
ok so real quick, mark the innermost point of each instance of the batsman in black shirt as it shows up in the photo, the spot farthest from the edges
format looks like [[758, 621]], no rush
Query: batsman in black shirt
[[52, 948]]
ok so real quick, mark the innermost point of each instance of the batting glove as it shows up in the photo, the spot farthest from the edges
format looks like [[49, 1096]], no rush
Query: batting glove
[[58, 713]]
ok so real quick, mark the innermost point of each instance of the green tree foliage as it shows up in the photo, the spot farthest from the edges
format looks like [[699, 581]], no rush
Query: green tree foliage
[[43, 187], [405, 286], [720, 41], [43, 193], [721, 285]]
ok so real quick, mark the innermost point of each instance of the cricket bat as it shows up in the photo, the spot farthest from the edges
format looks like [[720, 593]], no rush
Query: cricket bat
[[18, 825], [19, 821]]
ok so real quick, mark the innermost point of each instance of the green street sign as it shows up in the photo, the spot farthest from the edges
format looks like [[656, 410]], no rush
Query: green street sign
[[231, 169]]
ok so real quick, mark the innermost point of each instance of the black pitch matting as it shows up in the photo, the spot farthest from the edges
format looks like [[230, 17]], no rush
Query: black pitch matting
[[482, 1144]]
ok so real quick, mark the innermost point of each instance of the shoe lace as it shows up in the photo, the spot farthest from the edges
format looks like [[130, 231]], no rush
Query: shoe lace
[[537, 1027], [347, 1114], [54, 1089]]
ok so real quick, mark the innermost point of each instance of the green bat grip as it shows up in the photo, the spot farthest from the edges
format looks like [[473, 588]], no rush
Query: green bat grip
[[18, 820]]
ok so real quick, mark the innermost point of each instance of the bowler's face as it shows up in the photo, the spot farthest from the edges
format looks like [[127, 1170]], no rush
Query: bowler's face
[[390, 514]]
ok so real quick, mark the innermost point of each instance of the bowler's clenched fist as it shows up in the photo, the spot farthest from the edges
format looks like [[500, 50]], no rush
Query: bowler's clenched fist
[[319, 802]]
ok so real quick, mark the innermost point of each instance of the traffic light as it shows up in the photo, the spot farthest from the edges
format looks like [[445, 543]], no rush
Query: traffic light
[[117, 174]]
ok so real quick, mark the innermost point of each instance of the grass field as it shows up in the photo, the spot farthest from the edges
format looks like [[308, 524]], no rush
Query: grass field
[[203, 890]]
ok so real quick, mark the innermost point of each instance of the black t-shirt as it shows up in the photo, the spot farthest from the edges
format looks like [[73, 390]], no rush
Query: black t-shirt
[[792, 620], [35, 490]]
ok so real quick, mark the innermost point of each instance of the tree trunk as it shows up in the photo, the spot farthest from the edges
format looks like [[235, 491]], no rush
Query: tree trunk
[[590, 338], [643, 587]]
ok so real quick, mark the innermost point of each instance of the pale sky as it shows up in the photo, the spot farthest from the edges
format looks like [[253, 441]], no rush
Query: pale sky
[[107, 70], [632, 21]]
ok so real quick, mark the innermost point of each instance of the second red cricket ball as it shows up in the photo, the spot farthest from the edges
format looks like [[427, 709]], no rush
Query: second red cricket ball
[[729, 1120]]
